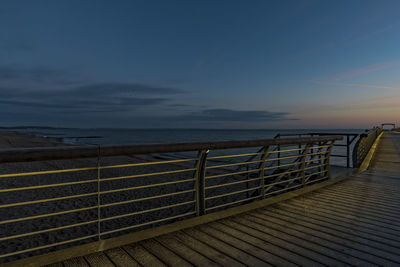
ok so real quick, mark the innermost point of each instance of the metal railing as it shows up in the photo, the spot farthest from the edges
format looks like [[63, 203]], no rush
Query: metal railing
[[349, 139], [76, 195], [364, 144]]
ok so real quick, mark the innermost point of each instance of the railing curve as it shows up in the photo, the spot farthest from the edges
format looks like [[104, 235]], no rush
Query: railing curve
[[51, 198]]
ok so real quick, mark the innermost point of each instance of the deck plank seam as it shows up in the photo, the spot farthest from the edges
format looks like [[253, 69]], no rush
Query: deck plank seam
[[237, 221], [323, 242], [270, 242], [348, 224], [237, 237], [366, 255], [324, 224]]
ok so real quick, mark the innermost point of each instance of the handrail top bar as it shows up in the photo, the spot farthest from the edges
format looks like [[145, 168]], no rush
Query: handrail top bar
[[71, 152]]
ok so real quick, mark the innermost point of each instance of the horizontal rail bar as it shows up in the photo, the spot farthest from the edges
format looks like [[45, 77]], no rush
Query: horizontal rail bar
[[146, 211], [145, 186], [233, 183], [47, 246], [46, 186], [72, 152], [148, 163], [46, 200], [285, 181], [282, 173], [47, 230], [283, 165], [317, 166], [235, 156], [46, 172], [230, 174], [146, 174], [233, 164], [232, 193], [146, 198], [47, 215], [285, 150]]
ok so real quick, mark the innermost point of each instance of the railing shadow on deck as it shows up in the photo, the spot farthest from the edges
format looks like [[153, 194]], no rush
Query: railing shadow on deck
[[53, 198]]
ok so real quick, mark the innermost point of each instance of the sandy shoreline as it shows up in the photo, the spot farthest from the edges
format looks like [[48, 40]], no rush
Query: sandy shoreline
[[15, 140], [11, 139]]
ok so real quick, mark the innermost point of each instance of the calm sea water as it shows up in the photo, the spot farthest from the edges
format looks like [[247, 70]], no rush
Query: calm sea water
[[158, 136], [164, 136]]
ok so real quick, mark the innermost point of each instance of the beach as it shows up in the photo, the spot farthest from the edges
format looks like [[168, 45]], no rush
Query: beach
[[88, 186], [12, 139]]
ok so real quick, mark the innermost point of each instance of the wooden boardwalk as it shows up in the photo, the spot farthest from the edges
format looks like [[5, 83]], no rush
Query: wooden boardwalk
[[353, 222]]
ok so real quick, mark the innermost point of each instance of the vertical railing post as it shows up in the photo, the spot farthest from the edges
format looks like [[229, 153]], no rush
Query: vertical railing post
[[200, 183], [348, 151], [279, 153], [303, 165], [328, 165], [320, 150], [196, 180], [261, 176], [98, 196]]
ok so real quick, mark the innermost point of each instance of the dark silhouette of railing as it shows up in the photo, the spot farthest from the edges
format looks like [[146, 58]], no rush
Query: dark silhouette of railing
[[364, 144], [76, 195], [349, 139]]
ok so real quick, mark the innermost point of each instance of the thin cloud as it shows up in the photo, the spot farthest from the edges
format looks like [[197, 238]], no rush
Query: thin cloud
[[90, 98], [358, 85], [229, 115], [358, 71]]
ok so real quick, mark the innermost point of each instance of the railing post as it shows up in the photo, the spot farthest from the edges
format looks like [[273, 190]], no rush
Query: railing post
[[328, 165], [98, 196], [200, 182], [261, 167], [303, 165]]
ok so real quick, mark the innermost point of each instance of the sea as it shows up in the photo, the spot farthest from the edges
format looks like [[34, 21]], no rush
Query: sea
[[121, 136]]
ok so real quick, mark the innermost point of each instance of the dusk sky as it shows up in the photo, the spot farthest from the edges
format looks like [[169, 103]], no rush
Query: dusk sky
[[199, 64]]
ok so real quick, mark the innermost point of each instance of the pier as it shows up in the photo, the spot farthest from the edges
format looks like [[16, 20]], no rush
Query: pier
[[295, 212]]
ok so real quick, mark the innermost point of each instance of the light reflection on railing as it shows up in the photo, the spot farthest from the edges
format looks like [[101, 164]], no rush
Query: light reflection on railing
[[118, 193]]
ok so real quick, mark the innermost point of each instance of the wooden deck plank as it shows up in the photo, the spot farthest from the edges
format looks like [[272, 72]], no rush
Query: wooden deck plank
[[353, 257], [59, 264], [377, 202], [99, 259], [206, 250], [267, 245], [374, 233], [367, 194], [142, 256], [185, 252], [356, 248], [329, 256], [357, 203], [225, 248], [163, 253], [362, 210], [354, 222], [335, 229], [353, 215], [76, 262], [121, 258], [266, 256]]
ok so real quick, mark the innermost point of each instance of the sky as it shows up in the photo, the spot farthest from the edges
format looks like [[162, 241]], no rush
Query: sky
[[199, 64]]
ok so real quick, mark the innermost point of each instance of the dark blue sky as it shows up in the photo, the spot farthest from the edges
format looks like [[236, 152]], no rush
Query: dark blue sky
[[209, 64]]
